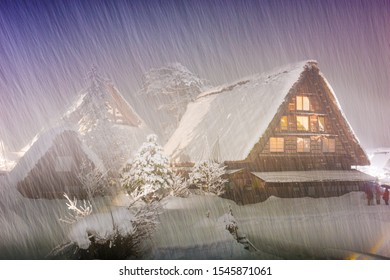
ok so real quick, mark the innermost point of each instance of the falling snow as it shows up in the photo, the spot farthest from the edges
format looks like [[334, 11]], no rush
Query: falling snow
[[162, 57]]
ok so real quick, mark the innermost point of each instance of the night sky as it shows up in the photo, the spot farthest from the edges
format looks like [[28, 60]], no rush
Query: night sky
[[48, 46]]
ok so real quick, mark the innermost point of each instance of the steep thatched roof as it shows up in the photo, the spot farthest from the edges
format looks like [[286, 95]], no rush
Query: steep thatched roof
[[39, 146], [226, 122]]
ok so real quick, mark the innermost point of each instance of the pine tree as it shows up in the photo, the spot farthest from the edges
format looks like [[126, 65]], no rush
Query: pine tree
[[208, 176], [149, 175]]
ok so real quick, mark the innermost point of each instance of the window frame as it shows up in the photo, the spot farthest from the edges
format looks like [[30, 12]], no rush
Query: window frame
[[278, 146], [304, 140], [281, 126], [302, 103], [326, 147], [307, 122], [319, 122]]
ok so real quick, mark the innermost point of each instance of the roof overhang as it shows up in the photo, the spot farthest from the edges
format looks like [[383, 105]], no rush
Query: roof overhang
[[314, 176], [232, 171]]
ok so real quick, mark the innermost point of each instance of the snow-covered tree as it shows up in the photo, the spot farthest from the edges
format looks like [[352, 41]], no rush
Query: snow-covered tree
[[148, 176], [208, 176], [167, 91]]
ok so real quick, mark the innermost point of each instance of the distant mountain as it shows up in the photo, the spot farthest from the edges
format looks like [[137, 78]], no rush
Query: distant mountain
[[164, 96], [108, 124]]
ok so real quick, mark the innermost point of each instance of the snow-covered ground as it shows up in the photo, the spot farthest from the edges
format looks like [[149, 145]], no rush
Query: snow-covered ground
[[191, 228], [338, 227]]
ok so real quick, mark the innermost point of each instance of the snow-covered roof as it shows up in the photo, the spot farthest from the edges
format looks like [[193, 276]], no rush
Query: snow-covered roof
[[110, 96], [8, 161], [233, 117], [380, 157], [105, 119], [38, 147], [314, 176], [232, 171], [227, 121]]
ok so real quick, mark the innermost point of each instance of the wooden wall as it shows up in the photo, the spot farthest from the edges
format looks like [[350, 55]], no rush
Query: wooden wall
[[262, 159], [245, 188]]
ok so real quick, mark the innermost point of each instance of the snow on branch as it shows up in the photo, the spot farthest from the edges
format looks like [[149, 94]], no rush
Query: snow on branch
[[75, 213], [148, 176], [208, 176], [179, 186], [119, 233]]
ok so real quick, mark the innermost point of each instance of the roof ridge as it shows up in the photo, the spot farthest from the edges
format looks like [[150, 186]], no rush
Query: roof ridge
[[274, 72]]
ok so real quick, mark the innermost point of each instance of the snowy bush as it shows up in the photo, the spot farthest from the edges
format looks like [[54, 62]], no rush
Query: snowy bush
[[148, 176], [179, 186], [76, 213], [119, 234], [208, 176]]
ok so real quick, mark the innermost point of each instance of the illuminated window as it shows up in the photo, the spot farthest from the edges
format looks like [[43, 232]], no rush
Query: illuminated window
[[313, 123], [284, 123], [321, 123], [303, 145], [63, 164], [303, 103], [328, 145], [276, 144], [302, 123]]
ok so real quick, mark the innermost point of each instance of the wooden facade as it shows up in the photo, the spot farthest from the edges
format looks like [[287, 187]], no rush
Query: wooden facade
[[245, 187], [318, 126], [308, 132], [56, 171]]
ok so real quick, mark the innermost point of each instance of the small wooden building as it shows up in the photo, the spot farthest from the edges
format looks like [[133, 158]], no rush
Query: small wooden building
[[52, 165], [281, 133]]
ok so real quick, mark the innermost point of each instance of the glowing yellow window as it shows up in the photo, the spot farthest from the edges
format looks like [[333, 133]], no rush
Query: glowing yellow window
[[276, 144], [321, 123], [302, 123], [284, 123], [303, 103]]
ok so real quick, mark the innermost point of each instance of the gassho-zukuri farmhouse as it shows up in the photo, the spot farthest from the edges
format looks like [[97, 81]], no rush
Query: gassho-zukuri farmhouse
[[279, 134]]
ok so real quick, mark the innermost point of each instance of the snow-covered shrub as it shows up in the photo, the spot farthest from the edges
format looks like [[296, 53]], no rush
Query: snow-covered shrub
[[208, 176], [76, 213], [179, 186], [148, 176], [120, 233]]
